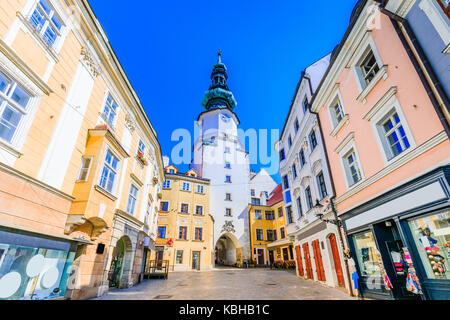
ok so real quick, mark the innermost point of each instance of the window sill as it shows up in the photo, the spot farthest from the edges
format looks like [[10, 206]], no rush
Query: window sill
[[184, 213], [6, 146], [181, 239], [382, 73], [200, 193], [198, 215], [339, 126], [47, 48], [198, 240], [105, 192], [188, 191]]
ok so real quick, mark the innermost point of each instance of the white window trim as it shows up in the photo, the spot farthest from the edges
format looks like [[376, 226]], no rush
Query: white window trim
[[137, 198], [343, 150], [169, 181], [438, 20], [231, 211], [182, 257], [203, 188], [389, 105], [193, 234], [88, 171], [188, 184], [188, 208], [261, 214], [256, 234], [363, 88], [102, 120], [119, 163], [203, 211], [178, 232], [337, 97]]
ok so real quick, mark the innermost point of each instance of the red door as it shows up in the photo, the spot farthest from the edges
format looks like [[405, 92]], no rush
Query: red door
[[309, 272], [298, 252], [318, 259], [337, 260]]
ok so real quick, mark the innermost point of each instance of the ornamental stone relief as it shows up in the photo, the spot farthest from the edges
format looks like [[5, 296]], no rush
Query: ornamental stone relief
[[89, 62], [228, 227]]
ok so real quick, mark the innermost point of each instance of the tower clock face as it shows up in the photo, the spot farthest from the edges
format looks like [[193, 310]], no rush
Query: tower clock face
[[225, 118]]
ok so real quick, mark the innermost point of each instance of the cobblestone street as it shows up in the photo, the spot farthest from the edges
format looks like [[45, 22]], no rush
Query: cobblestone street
[[229, 284]]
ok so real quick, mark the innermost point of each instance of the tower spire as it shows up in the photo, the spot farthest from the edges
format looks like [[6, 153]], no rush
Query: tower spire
[[219, 56]]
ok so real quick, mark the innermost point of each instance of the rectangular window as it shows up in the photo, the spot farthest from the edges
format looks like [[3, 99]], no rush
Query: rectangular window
[[84, 169], [227, 165], [110, 111], [46, 23], [321, 184], [147, 213], [167, 184], [141, 148], [252, 192], [256, 201], [369, 67], [431, 236], [366, 254], [309, 200], [199, 210], [185, 186], [132, 199], [286, 182], [352, 168], [200, 188], [282, 155], [260, 234], [338, 112], [179, 257], [299, 207], [393, 136], [313, 140], [296, 125], [164, 206], [270, 215], [301, 157], [294, 171], [198, 234], [109, 172], [282, 233], [228, 196], [228, 212], [290, 142], [289, 215], [13, 107], [271, 235], [228, 179], [258, 215], [162, 232], [305, 104], [280, 212], [184, 208], [287, 197], [182, 233], [227, 150]]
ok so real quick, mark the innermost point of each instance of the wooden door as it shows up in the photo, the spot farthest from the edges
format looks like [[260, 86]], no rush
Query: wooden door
[[260, 256], [285, 254], [336, 260], [195, 260], [298, 252], [309, 273], [159, 257], [318, 260], [271, 257]]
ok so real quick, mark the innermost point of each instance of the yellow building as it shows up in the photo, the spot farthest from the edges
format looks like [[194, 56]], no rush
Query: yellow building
[[78, 155], [268, 231], [185, 227]]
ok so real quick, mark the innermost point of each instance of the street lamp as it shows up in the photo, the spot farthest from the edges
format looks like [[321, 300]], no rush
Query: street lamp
[[319, 215]]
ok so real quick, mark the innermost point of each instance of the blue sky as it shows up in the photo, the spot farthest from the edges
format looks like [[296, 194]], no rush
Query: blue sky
[[168, 48]]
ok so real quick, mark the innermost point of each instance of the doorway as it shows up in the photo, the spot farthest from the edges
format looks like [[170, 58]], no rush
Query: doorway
[[195, 260], [309, 273], [159, 257], [285, 254], [271, 257], [260, 256], [336, 260], [318, 259], [298, 253]]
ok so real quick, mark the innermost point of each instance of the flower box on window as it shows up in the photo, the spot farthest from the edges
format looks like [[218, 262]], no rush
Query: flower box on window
[[170, 242], [140, 157], [155, 180]]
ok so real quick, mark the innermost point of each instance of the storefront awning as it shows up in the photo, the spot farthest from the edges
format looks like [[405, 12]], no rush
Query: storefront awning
[[278, 243]]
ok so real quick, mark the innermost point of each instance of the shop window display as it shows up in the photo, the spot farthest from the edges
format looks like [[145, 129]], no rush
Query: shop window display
[[432, 238], [366, 254], [33, 273]]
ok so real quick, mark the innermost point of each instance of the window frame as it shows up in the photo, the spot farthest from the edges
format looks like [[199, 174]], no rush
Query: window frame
[[185, 233], [181, 207], [261, 233], [132, 197], [196, 233], [185, 183], [116, 178], [202, 188], [313, 142], [196, 211], [308, 197], [228, 210], [88, 171], [321, 184], [168, 206], [165, 232], [299, 207], [256, 216], [109, 94]]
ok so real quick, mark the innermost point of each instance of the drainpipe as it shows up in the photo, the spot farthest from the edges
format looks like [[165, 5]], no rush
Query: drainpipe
[[333, 207], [438, 97]]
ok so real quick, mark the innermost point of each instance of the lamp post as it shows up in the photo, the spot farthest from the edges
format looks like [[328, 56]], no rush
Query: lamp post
[[338, 223]]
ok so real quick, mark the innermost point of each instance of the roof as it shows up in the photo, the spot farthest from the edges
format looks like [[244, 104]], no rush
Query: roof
[[276, 195]]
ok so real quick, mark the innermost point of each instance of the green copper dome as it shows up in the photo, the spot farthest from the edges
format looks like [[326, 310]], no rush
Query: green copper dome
[[219, 95]]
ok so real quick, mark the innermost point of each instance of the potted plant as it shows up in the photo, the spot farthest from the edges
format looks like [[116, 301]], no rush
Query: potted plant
[[140, 157], [160, 195], [251, 263], [155, 180]]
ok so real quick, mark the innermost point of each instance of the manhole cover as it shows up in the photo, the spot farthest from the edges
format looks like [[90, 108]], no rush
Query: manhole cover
[[270, 284], [162, 296]]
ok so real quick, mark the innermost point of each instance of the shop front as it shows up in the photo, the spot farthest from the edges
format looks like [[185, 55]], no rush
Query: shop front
[[34, 266], [400, 241]]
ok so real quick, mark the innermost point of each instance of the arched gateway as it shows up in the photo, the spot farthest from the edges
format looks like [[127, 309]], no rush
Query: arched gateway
[[228, 250]]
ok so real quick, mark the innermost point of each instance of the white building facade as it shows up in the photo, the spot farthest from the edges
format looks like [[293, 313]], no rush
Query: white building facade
[[307, 187]]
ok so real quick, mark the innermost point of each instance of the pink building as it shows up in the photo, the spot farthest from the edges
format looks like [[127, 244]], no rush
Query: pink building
[[389, 157]]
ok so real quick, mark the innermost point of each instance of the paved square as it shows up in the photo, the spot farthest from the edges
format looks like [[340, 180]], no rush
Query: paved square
[[229, 284]]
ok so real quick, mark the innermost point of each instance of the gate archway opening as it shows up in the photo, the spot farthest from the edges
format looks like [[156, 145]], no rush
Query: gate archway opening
[[228, 251]]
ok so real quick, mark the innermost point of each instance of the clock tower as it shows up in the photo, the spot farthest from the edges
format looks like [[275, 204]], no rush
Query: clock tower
[[220, 157]]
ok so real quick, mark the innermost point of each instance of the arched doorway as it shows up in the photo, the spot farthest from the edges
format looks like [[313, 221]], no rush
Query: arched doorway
[[336, 259], [228, 251], [120, 269]]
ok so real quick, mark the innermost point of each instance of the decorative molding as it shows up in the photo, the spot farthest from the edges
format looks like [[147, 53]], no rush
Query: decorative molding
[[129, 123], [343, 121], [404, 8], [15, 65], [305, 181], [228, 227], [433, 12], [73, 221], [344, 142], [7, 169], [126, 216], [382, 73], [10, 149], [105, 192], [103, 131], [136, 179], [383, 100], [88, 61], [426, 146]]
